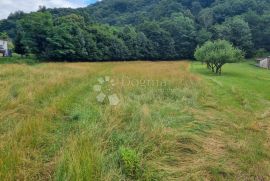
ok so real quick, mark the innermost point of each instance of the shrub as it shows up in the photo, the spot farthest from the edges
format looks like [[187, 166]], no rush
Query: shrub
[[129, 162]]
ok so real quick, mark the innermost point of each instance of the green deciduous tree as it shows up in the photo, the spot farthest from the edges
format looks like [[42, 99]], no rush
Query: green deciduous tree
[[66, 40], [20, 46], [237, 31], [217, 53], [37, 27], [129, 36], [4, 36], [259, 25], [108, 43], [182, 30], [161, 42], [205, 18], [203, 36]]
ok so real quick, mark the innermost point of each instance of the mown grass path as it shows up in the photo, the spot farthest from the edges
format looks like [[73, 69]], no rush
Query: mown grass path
[[242, 106], [174, 122]]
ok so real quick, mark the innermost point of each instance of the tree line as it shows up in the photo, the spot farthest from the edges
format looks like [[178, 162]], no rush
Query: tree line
[[70, 38], [139, 29]]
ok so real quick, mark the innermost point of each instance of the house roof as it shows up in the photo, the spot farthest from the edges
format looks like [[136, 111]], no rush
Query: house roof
[[3, 41], [260, 59]]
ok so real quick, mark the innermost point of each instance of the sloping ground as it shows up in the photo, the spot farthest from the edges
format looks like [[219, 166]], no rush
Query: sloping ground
[[170, 124]]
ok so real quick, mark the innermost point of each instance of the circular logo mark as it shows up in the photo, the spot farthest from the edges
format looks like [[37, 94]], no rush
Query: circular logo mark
[[104, 88]]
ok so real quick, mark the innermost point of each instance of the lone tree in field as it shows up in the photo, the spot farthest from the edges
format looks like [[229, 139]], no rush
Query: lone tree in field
[[217, 53]]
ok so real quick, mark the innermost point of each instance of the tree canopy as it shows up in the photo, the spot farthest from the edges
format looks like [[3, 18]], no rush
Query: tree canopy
[[139, 29], [217, 53]]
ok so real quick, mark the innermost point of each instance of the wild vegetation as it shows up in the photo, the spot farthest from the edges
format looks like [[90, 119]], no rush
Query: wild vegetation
[[194, 125], [139, 29]]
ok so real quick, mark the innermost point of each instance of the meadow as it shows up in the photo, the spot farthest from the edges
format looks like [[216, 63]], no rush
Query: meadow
[[174, 121]]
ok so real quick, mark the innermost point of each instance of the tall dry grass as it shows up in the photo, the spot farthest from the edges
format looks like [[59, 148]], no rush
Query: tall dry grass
[[53, 128]]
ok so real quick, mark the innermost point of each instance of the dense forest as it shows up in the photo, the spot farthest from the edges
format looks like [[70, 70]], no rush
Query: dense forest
[[139, 29]]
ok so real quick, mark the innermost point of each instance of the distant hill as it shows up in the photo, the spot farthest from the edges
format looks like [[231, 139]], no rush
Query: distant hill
[[188, 22]]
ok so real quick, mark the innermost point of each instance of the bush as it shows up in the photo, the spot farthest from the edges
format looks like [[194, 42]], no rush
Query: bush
[[130, 162], [30, 60], [261, 53]]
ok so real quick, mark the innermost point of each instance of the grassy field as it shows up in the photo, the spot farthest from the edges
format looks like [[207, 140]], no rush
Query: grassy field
[[174, 121]]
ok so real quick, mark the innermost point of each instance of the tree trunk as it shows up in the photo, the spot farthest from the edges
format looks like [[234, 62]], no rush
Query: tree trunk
[[218, 69], [208, 65]]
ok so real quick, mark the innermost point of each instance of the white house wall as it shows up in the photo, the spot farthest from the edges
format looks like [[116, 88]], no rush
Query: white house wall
[[4, 44], [264, 63]]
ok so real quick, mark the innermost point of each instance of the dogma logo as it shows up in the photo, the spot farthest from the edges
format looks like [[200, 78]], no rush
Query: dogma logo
[[104, 88]]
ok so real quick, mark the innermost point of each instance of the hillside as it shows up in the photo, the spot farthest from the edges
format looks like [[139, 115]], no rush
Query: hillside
[[135, 90], [170, 29]]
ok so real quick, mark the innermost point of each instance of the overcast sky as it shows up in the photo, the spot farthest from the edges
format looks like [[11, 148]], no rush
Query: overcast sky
[[9, 6]]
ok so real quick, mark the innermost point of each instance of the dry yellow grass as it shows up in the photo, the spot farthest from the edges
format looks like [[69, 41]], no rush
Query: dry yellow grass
[[52, 127]]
